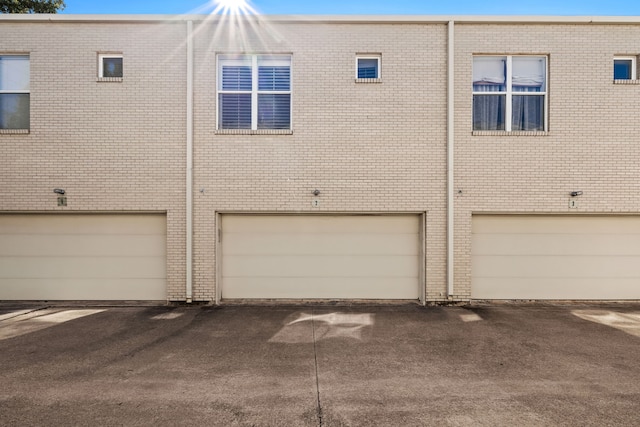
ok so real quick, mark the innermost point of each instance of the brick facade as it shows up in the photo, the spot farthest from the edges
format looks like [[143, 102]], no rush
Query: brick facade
[[368, 147]]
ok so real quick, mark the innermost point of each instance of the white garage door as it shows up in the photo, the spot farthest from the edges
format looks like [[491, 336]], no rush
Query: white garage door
[[320, 257], [82, 257], [556, 257]]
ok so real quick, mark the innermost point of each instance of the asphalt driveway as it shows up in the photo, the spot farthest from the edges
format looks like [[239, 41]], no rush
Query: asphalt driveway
[[321, 365]]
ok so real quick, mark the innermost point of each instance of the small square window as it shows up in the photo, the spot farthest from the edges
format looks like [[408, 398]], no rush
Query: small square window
[[624, 68], [110, 66], [368, 67]]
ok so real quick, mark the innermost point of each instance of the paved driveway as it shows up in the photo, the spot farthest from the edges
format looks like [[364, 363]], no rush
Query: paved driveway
[[322, 365]]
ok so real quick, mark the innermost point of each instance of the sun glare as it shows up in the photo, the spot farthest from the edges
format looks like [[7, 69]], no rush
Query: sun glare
[[232, 7]]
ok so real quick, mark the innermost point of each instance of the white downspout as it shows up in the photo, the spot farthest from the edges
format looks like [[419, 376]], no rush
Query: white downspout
[[189, 189], [450, 158]]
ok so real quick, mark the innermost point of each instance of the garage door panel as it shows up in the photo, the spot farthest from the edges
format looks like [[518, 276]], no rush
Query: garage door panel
[[556, 266], [320, 288], [309, 256], [43, 224], [594, 288], [559, 224], [323, 244], [556, 257], [83, 256], [311, 266], [319, 224], [73, 245], [81, 289], [556, 244], [85, 267]]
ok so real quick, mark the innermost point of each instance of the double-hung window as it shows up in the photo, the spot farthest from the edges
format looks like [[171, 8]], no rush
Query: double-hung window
[[14, 92], [254, 92], [509, 93]]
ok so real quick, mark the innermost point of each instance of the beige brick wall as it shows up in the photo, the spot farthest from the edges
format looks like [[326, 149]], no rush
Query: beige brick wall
[[369, 148], [592, 143], [114, 147]]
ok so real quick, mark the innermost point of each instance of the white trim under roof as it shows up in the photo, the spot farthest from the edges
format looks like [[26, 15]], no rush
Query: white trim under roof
[[354, 19]]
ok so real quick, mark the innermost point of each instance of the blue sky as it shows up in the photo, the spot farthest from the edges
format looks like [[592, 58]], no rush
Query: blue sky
[[370, 7]]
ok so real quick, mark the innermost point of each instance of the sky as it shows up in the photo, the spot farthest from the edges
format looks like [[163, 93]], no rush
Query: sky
[[366, 7]]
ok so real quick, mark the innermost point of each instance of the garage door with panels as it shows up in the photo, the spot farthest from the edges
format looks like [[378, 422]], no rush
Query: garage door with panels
[[556, 257], [82, 257], [320, 256]]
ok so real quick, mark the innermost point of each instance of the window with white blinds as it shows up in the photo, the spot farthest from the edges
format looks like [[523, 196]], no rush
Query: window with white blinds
[[254, 92], [367, 67]]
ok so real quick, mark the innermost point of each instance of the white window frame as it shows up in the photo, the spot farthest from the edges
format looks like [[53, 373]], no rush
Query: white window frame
[[102, 57], [633, 59], [509, 93], [254, 59], [378, 58], [19, 91]]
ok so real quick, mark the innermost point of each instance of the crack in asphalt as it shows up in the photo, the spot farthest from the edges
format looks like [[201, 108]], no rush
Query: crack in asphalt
[[315, 358]]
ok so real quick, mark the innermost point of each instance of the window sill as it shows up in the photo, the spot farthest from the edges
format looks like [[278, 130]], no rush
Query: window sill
[[368, 80], [254, 132], [512, 133], [626, 82], [109, 79], [14, 131]]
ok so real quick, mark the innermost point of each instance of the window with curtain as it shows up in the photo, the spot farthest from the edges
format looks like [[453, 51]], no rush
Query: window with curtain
[[254, 92], [14, 92], [509, 93]]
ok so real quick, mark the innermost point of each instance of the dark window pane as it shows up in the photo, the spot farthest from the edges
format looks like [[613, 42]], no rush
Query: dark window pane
[[236, 77], [235, 111], [274, 111], [622, 69], [528, 112], [111, 67], [367, 68], [489, 112], [14, 111], [274, 78]]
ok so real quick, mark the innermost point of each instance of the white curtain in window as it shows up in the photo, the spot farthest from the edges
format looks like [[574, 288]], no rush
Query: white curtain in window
[[488, 71], [14, 73], [489, 112], [489, 75], [528, 73], [528, 112]]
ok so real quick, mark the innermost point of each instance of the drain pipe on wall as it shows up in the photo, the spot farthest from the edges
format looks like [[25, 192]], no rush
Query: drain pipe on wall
[[450, 157], [189, 189]]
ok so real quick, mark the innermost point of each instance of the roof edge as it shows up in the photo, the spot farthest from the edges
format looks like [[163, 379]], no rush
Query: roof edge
[[354, 19]]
